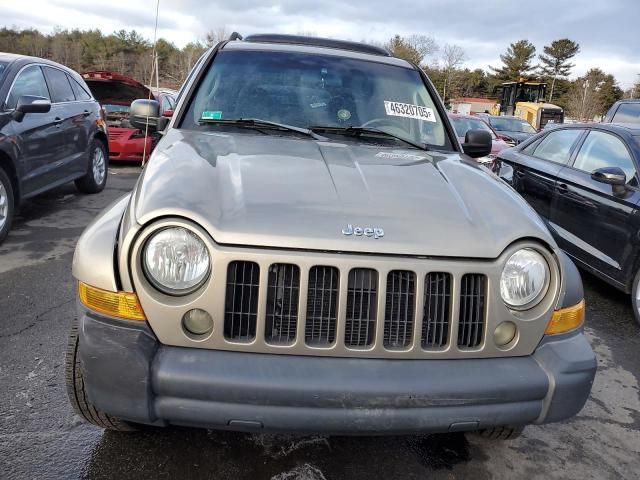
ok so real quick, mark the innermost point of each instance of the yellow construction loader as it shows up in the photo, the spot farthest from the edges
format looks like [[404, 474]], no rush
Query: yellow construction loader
[[526, 100]]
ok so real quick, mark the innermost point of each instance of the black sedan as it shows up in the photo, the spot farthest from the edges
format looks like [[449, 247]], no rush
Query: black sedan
[[583, 181], [51, 132], [512, 130]]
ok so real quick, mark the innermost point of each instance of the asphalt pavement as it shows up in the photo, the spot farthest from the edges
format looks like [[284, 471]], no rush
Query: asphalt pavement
[[40, 437]]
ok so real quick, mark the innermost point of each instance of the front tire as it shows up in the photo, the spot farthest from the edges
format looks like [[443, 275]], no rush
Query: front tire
[[7, 205], [635, 297], [77, 394], [95, 179]]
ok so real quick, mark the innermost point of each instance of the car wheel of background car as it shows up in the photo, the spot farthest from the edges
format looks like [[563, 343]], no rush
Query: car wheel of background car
[[501, 433], [77, 395], [6, 205], [96, 178], [635, 297]]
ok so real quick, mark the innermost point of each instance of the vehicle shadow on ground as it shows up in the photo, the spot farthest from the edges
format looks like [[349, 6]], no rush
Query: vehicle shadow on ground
[[194, 453]]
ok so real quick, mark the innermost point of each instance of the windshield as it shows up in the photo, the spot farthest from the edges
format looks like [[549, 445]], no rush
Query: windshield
[[307, 90], [463, 124], [511, 125]]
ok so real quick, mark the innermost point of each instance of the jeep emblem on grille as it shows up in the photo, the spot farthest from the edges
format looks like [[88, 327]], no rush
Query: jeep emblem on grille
[[374, 232]]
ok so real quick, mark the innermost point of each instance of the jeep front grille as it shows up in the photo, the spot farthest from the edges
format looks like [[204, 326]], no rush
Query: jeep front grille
[[399, 309], [437, 305], [362, 299], [281, 318], [472, 310], [314, 308], [241, 301], [322, 306]]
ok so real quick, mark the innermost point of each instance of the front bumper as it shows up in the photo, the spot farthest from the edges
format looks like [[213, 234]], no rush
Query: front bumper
[[126, 148], [130, 375]]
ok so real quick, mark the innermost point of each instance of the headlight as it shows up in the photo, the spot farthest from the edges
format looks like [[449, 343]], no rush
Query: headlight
[[525, 279], [176, 261]]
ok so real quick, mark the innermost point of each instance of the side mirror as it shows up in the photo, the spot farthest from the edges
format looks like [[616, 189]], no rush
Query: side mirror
[[144, 113], [610, 175], [477, 143], [31, 104]]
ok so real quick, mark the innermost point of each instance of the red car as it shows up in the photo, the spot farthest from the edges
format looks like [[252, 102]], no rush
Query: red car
[[463, 123], [115, 92]]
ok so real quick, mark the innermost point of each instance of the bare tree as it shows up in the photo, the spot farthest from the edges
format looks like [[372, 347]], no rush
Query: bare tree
[[424, 45], [415, 48], [453, 56], [216, 36]]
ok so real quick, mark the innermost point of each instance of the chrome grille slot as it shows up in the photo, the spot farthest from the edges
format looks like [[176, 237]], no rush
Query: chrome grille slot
[[399, 309], [241, 301], [473, 288], [362, 296], [437, 310], [283, 290], [322, 306]]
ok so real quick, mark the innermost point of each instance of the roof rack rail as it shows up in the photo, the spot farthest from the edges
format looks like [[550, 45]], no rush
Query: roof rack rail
[[318, 42], [235, 36]]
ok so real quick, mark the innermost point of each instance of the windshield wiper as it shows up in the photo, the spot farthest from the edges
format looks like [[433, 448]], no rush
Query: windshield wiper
[[357, 131], [259, 123]]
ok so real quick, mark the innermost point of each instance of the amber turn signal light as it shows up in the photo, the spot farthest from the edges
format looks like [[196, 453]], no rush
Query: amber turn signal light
[[116, 304], [566, 319]]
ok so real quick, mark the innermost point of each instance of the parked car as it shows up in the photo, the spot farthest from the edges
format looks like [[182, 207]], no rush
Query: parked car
[[624, 111], [115, 92], [463, 123], [512, 130], [51, 132], [307, 250], [583, 181]]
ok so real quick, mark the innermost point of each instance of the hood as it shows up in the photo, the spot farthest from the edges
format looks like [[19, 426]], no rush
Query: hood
[[518, 136], [110, 88], [261, 190]]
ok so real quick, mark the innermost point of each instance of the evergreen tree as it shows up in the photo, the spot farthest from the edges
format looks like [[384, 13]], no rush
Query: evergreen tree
[[555, 60], [517, 61]]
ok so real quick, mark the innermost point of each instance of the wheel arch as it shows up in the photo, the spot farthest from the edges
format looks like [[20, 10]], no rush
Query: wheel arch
[[8, 165], [100, 135]]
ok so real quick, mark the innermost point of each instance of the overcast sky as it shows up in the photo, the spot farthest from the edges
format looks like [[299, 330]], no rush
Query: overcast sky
[[608, 31]]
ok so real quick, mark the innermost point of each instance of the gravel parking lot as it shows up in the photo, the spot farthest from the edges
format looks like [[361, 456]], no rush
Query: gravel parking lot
[[41, 438]]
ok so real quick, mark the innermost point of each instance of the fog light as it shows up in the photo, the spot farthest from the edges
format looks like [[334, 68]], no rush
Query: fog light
[[505, 333], [197, 322]]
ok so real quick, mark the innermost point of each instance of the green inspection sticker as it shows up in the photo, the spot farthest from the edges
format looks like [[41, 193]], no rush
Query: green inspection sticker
[[217, 115], [344, 114]]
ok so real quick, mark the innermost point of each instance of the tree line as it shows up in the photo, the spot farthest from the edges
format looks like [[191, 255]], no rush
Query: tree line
[[584, 97], [129, 53], [126, 52]]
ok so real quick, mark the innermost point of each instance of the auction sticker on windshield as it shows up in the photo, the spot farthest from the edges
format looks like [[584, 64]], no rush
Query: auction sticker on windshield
[[418, 112]]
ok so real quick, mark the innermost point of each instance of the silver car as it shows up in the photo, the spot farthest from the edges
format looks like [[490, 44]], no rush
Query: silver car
[[310, 250]]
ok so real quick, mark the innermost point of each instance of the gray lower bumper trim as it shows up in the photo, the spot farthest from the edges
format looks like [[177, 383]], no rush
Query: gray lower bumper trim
[[343, 421], [129, 375]]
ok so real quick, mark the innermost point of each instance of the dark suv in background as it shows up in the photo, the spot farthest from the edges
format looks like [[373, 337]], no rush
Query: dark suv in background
[[624, 111], [51, 132]]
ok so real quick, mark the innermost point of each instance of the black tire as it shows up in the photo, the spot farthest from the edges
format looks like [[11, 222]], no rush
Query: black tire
[[7, 205], [77, 396], [92, 182], [501, 433], [635, 301]]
